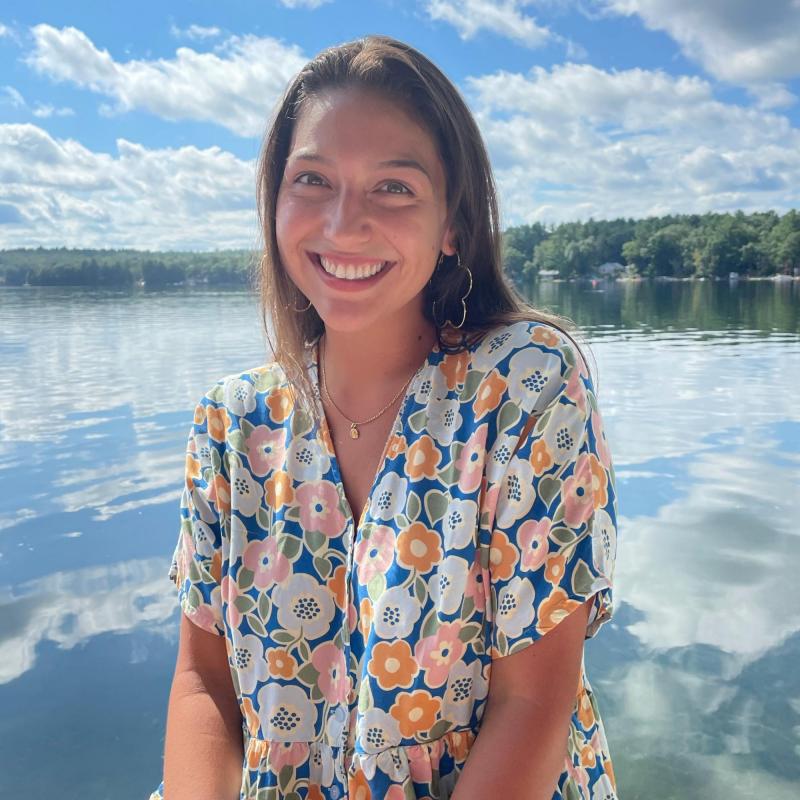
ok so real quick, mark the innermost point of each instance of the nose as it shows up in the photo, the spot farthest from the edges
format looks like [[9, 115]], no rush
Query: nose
[[348, 221]]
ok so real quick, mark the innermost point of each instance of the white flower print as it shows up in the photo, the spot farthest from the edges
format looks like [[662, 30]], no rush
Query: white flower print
[[604, 543], [459, 524], [466, 686], [239, 396], [495, 347], [246, 492], [499, 455], [321, 763], [444, 419], [287, 713], [378, 730], [423, 391], [534, 374], [203, 538], [306, 460], [391, 763], [602, 789], [389, 497], [447, 584], [247, 655], [304, 603], [515, 607], [516, 492], [395, 614], [564, 432], [238, 534], [203, 449]]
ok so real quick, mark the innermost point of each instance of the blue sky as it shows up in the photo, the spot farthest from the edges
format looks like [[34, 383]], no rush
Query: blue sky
[[139, 127]]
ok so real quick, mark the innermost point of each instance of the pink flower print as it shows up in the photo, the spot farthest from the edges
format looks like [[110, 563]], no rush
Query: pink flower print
[[395, 792], [603, 452], [268, 565], [437, 653], [375, 555], [230, 591], [577, 493], [419, 763], [283, 753], [319, 508], [471, 460], [329, 661], [265, 449], [575, 389], [476, 583], [203, 616], [488, 502], [533, 541]]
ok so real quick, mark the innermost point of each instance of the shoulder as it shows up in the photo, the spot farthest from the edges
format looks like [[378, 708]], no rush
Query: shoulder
[[530, 362]]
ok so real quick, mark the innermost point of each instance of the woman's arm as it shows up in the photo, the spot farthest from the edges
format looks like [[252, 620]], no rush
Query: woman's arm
[[203, 750], [520, 750]]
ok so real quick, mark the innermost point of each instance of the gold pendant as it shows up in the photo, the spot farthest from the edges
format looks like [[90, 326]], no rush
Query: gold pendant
[[353, 431]]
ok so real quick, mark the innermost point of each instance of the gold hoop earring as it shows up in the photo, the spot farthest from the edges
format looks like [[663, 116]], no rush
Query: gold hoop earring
[[300, 310], [463, 299]]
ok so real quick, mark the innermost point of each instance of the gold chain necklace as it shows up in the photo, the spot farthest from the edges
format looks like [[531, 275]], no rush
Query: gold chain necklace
[[353, 424]]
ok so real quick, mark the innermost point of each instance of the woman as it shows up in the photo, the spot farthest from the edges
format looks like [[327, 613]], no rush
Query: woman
[[431, 646]]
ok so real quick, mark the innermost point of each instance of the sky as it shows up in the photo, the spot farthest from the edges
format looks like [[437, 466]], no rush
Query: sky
[[139, 125]]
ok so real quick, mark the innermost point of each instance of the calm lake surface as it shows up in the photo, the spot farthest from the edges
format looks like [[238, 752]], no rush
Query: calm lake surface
[[697, 676]]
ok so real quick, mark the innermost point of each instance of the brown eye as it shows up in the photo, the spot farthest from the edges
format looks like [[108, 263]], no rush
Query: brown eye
[[311, 175], [405, 189]]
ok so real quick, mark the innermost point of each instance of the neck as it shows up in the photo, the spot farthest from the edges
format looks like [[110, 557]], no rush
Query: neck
[[363, 372]]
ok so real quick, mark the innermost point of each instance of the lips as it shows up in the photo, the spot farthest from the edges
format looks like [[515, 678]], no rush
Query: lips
[[344, 283]]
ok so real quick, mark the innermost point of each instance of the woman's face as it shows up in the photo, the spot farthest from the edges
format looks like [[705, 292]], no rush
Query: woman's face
[[363, 188]]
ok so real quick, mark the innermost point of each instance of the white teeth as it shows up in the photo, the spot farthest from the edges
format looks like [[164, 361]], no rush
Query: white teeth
[[348, 271]]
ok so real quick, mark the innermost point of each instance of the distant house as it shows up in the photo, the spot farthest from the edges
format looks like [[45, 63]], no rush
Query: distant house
[[611, 269], [548, 274]]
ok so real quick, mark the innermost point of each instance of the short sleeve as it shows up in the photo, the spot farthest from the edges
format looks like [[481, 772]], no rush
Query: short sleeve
[[205, 500], [553, 543]]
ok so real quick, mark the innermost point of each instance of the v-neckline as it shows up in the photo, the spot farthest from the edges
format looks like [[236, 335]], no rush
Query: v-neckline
[[325, 430]]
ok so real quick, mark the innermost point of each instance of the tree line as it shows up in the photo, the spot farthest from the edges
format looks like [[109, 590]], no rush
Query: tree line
[[680, 246]]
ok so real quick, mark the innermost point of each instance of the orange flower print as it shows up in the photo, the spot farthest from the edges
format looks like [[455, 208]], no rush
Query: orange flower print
[[415, 712], [250, 716], [489, 394], [577, 493], [393, 664], [199, 413], [541, 459], [337, 586], [192, 470], [280, 403], [588, 757], [397, 445], [358, 786], [218, 423], [314, 792], [585, 710], [422, 459], [553, 609], [459, 743], [278, 490], [503, 557], [545, 336], [281, 663], [215, 568], [599, 481], [365, 616], [257, 750], [454, 367], [419, 548], [220, 494], [554, 571]]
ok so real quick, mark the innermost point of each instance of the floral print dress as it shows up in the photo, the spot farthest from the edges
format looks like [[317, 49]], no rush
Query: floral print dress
[[361, 654]]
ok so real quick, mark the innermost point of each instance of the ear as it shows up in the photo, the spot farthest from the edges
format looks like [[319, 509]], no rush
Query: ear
[[448, 246]]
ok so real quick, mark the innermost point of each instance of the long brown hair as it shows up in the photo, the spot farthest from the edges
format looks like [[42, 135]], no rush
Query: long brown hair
[[402, 74]]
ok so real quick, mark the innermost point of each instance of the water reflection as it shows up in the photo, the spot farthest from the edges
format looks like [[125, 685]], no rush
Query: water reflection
[[696, 676]]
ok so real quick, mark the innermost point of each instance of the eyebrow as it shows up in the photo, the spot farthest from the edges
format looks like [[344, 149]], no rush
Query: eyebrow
[[409, 163]]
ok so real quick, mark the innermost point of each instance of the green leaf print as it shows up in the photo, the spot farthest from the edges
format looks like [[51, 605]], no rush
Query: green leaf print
[[262, 517], [303, 650], [308, 674], [548, 489], [365, 700], [244, 604], [301, 423], [246, 427], [508, 416], [216, 463], [237, 441], [439, 729], [264, 606], [283, 637], [418, 421], [413, 505], [430, 624], [256, 625], [244, 580], [449, 475], [285, 777], [216, 393], [315, 540], [268, 793], [469, 632], [435, 505], [322, 566], [289, 545], [471, 384], [502, 643], [420, 590], [467, 607], [564, 536], [582, 579], [402, 521], [376, 586], [265, 380]]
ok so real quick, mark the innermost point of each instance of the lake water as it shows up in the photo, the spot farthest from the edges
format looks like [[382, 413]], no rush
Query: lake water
[[696, 676]]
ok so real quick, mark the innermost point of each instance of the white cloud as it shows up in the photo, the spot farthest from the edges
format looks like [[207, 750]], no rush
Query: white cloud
[[45, 110], [741, 42], [304, 3], [184, 198], [577, 141], [13, 97], [469, 17], [194, 32], [235, 86], [16, 99]]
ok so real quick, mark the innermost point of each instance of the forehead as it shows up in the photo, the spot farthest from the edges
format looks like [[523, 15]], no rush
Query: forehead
[[358, 121]]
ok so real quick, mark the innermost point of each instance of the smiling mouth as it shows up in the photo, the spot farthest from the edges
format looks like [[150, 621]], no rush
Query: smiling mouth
[[350, 273]]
